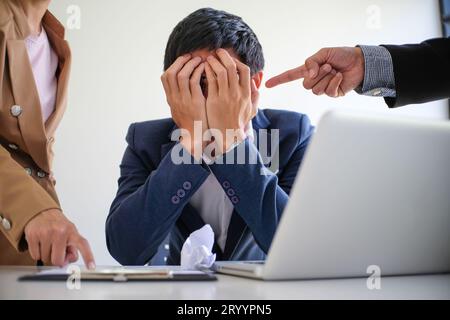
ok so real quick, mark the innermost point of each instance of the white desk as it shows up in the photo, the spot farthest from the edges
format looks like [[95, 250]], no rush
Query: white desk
[[227, 287]]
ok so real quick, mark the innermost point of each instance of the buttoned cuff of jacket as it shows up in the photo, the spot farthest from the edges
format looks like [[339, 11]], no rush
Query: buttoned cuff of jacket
[[21, 199], [15, 219], [379, 79], [190, 172]]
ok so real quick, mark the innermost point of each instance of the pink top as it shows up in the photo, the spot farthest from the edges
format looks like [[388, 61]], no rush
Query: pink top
[[44, 63]]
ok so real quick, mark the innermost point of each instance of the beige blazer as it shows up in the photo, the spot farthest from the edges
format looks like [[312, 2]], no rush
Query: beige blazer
[[26, 181]]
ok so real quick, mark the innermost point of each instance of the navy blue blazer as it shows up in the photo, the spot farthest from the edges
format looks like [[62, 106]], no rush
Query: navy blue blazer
[[152, 203]]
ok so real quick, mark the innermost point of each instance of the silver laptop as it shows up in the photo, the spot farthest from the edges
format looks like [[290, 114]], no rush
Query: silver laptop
[[373, 194]]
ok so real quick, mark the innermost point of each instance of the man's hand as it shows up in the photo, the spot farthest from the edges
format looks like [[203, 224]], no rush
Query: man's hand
[[333, 71], [186, 100], [229, 104], [53, 239]]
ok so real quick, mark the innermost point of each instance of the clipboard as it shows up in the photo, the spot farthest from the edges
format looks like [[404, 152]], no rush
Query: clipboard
[[122, 274]]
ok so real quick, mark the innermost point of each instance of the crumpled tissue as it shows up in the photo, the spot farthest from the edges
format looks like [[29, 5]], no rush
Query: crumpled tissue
[[196, 253]]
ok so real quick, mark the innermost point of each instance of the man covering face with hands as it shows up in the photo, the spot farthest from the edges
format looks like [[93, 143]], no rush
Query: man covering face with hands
[[215, 90], [238, 162]]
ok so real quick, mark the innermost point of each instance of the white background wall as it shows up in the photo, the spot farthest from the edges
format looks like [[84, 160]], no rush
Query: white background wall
[[118, 57]]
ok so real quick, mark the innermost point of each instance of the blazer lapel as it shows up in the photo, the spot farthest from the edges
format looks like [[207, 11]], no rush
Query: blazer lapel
[[55, 33], [25, 95], [36, 135]]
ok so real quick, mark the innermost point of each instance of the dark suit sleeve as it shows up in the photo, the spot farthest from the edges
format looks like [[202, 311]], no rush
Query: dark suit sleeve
[[149, 201], [261, 198], [422, 72]]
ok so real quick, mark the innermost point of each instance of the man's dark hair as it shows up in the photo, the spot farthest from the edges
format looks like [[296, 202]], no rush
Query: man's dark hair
[[213, 29]]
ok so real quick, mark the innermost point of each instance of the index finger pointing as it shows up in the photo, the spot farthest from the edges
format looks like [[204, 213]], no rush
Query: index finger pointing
[[288, 76], [83, 246]]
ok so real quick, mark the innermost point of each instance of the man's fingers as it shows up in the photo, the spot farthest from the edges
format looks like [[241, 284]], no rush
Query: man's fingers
[[333, 87], [253, 87], [322, 85], [83, 246], [255, 97], [314, 62], [221, 74], [310, 69], [244, 75], [196, 77], [172, 72], [165, 84], [212, 81], [313, 68], [309, 83], [230, 65], [185, 74], [288, 76]]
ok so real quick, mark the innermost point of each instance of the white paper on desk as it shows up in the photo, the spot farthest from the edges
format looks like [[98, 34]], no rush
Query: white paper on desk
[[132, 270], [196, 252], [54, 271]]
